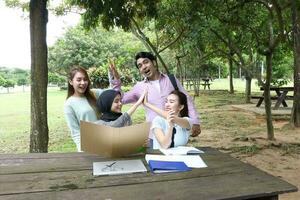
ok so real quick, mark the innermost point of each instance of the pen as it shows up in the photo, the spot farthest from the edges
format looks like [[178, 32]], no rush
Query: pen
[[111, 164]]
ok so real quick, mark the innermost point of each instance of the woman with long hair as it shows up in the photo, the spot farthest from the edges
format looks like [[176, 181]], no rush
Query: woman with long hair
[[172, 127], [81, 100]]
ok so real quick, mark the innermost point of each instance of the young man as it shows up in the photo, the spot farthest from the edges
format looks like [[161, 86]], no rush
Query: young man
[[159, 87]]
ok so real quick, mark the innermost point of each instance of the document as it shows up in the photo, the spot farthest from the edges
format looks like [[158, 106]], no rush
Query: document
[[167, 166], [113, 142], [181, 150], [116, 167], [193, 161]]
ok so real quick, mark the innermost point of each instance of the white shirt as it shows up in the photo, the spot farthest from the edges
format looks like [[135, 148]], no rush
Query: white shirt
[[181, 137]]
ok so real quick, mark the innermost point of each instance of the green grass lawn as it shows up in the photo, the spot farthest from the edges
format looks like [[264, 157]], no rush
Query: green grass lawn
[[238, 84], [15, 116], [15, 122]]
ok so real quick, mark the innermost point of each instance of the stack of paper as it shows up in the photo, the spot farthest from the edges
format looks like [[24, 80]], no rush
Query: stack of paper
[[193, 161], [176, 159], [181, 150]]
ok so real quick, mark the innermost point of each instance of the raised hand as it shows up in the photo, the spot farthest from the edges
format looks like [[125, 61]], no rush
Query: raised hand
[[139, 102], [142, 97], [145, 97], [113, 69]]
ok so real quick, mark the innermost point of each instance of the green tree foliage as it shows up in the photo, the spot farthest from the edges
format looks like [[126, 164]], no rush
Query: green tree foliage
[[9, 83], [114, 13], [282, 66], [6, 83], [16, 76], [99, 77], [93, 48], [2, 80], [56, 79], [21, 76]]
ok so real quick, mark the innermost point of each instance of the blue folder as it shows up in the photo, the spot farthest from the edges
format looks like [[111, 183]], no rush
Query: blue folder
[[167, 166]]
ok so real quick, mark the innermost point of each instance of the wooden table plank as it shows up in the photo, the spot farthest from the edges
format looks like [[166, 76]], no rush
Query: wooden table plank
[[25, 163], [65, 176], [49, 180], [225, 186]]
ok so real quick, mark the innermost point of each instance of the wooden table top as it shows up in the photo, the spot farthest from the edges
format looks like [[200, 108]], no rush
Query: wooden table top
[[69, 176]]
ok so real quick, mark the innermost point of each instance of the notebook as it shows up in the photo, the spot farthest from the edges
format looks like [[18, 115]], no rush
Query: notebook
[[157, 166], [193, 161], [115, 167], [181, 150]]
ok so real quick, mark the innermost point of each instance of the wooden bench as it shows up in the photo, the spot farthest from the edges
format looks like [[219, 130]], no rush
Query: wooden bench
[[289, 97], [189, 84], [261, 98], [206, 84], [281, 96]]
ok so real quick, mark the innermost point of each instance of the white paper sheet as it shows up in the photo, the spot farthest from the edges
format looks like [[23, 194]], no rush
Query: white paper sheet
[[115, 167], [193, 161], [181, 150]]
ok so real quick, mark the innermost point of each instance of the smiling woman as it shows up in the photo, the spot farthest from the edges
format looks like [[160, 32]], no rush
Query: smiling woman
[[15, 37], [81, 101]]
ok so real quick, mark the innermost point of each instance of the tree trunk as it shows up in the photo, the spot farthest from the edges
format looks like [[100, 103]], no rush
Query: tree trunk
[[248, 89], [267, 98], [196, 85], [295, 117], [179, 68], [39, 76], [231, 89]]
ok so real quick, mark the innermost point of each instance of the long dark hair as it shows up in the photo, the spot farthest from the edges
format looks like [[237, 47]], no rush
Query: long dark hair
[[182, 101], [90, 96]]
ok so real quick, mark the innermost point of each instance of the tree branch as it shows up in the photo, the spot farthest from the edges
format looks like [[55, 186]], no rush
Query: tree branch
[[172, 42]]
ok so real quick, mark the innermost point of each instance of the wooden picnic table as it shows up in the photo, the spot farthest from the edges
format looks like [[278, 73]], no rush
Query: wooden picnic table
[[69, 176], [189, 84], [281, 96], [206, 83]]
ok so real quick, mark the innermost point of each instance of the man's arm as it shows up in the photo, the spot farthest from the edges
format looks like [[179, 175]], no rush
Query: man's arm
[[131, 96], [115, 83]]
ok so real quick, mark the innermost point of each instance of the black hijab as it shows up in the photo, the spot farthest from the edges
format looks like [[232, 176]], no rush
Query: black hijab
[[104, 103]]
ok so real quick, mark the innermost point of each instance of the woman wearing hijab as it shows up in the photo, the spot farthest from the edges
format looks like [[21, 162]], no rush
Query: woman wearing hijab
[[109, 104]]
